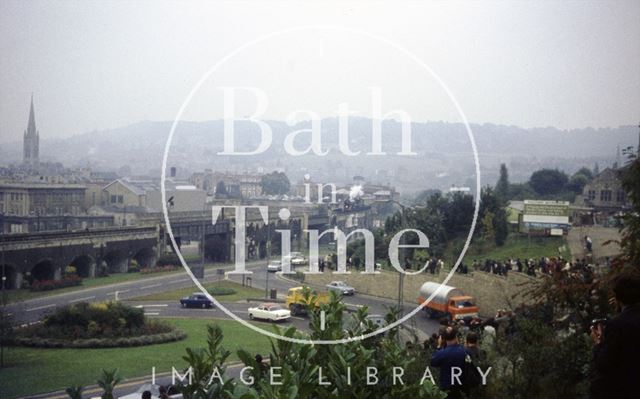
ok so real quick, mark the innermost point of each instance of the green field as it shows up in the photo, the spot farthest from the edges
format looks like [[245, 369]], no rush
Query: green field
[[515, 247], [30, 371], [242, 293]]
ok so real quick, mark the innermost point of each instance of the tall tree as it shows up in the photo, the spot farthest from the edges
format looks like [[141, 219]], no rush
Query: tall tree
[[630, 243], [502, 187]]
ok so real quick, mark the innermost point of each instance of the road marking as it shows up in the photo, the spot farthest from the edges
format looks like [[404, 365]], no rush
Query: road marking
[[354, 305], [116, 292], [82, 299], [322, 320], [151, 286], [152, 314], [158, 305], [298, 318], [179, 281], [41, 307]]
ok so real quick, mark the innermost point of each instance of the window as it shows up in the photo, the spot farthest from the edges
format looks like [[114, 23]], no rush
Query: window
[[591, 195], [120, 199], [113, 199], [621, 196], [605, 195]]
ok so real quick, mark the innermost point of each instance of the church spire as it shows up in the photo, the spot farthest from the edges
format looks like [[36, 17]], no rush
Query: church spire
[[31, 141], [31, 126]]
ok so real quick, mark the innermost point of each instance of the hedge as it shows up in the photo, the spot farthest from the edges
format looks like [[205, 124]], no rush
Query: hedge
[[99, 342]]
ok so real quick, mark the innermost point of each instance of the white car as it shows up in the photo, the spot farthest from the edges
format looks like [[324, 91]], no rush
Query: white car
[[341, 287], [298, 259], [269, 311], [274, 266]]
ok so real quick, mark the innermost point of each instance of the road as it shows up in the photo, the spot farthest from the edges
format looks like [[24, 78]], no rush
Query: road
[[34, 310]]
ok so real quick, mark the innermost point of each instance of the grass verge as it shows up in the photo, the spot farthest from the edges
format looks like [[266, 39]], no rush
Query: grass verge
[[29, 371], [242, 293]]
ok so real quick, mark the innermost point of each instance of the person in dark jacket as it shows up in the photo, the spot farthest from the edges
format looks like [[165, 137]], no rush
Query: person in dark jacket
[[450, 357], [616, 354]]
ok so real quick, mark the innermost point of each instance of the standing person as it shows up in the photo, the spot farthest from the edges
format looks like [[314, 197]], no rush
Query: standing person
[[449, 356], [588, 243], [616, 353]]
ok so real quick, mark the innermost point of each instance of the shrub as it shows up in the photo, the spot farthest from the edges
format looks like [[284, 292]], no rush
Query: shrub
[[168, 259], [298, 276], [158, 269], [217, 291], [47, 285]]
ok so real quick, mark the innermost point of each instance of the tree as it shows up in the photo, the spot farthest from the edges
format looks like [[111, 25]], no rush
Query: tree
[[275, 183], [548, 181], [577, 182], [6, 333], [630, 242], [108, 382], [585, 172], [75, 392], [502, 187]]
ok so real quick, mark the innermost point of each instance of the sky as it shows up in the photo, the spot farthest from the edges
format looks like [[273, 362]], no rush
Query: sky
[[95, 65]]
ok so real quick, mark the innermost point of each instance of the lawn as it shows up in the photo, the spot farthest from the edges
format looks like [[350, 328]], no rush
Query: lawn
[[242, 293], [25, 294], [30, 371]]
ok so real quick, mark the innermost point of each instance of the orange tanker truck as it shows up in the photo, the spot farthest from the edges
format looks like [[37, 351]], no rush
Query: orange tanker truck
[[449, 302]]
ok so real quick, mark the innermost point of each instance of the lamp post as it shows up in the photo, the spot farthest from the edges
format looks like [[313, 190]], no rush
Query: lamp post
[[403, 223], [266, 288]]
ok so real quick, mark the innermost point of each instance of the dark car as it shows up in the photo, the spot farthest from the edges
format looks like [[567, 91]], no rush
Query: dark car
[[196, 300]]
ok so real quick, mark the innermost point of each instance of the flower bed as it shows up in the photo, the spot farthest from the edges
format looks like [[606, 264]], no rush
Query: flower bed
[[98, 325], [47, 285], [158, 269]]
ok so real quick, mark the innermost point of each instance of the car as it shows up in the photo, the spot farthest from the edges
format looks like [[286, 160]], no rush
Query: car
[[196, 300], [298, 259], [155, 392], [274, 266], [341, 287], [269, 311]]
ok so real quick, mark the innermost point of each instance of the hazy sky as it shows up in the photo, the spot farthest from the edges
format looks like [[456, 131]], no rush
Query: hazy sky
[[99, 65]]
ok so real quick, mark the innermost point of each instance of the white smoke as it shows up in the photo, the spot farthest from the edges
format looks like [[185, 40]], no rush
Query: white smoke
[[356, 191]]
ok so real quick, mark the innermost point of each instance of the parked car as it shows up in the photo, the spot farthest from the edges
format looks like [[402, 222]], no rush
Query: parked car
[[196, 300], [341, 287], [274, 266], [269, 311]]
